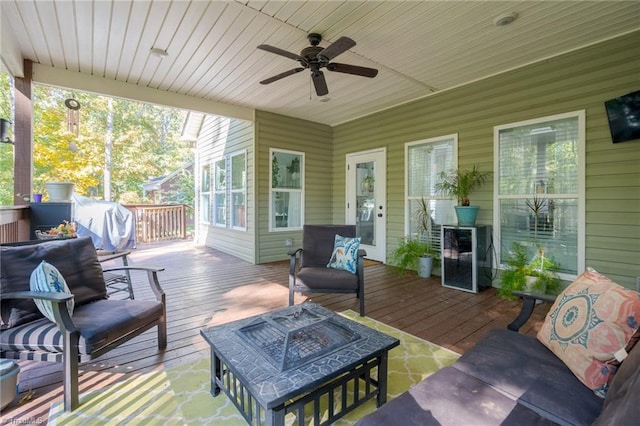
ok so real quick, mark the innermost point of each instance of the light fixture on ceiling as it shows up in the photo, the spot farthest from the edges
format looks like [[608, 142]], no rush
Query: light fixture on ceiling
[[505, 19], [324, 99], [160, 53]]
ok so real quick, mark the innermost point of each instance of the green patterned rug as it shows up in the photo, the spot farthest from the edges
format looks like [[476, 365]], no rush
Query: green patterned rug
[[180, 395]]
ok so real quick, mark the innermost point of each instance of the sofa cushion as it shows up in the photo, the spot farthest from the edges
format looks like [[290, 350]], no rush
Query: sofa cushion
[[48, 279], [452, 397], [76, 259], [592, 320], [345, 254], [621, 404], [99, 323], [524, 369]]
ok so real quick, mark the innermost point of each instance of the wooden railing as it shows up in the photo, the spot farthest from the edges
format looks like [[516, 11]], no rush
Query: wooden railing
[[156, 222], [14, 224]]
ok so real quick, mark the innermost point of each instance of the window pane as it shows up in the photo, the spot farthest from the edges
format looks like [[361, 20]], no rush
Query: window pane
[[220, 175], [205, 208], [539, 158], [286, 170], [206, 178], [238, 173], [221, 209], [239, 210], [286, 208], [425, 162]]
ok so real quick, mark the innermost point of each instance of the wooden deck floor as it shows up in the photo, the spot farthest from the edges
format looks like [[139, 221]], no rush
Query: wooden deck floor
[[205, 287]]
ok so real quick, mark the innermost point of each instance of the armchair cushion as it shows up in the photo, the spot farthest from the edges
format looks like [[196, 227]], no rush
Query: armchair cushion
[[99, 324], [75, 259], [321, 277], [345, 254], [47, 278]]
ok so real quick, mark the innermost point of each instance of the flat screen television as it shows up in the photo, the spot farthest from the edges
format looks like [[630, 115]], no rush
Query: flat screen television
[[624, 117]]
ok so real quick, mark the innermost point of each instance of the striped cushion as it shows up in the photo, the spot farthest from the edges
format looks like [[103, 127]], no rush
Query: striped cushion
[[48, 279], [99, 324]]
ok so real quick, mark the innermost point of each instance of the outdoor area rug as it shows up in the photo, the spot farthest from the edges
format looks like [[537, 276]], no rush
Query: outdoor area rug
[[180, 395]]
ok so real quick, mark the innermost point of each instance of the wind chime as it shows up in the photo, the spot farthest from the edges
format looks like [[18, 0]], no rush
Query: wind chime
[[73, 119], [73, 116]]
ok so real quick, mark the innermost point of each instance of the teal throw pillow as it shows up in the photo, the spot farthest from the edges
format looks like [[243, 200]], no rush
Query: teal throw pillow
[[46, 277], [345, 254]]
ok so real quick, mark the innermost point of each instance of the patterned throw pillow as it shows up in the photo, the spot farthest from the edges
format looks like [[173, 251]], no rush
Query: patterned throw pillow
[[345, 254], [591, 326], [47, 278]]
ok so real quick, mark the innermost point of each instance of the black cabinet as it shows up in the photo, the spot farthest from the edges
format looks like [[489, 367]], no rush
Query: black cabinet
[[466, 257], [45, 216]]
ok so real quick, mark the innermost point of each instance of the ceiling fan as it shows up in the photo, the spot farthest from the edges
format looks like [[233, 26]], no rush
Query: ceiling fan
[[315, 57]]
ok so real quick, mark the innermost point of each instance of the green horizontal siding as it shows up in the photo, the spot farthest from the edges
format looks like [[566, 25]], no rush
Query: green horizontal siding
[[580, 80], [315, 140]]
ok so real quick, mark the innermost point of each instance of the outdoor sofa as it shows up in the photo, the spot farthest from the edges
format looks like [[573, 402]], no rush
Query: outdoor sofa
[[511, 379], [95, 326]]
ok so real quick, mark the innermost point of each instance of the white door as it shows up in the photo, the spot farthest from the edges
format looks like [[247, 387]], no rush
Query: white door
[[366, 200]]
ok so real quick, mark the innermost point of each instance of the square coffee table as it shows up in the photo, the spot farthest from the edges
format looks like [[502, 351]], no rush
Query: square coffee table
[[301, 356]]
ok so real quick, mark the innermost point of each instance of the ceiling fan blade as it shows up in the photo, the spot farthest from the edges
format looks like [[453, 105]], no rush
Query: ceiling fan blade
[[280, 52], [281, 75], [319, 83], [353, 69], [339, 46]]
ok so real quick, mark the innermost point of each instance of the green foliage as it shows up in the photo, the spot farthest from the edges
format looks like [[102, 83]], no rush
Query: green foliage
[[459, 183], [144, 141], [406, 255], [515, 277]]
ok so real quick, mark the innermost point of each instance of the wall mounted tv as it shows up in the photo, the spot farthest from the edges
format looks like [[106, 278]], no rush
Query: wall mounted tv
[[624, 117]]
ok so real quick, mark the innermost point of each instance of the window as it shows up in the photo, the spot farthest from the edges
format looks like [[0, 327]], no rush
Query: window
[[220, 193], [238, 190], [205, 193], [286, 198], [424, 160], [539, 187], [230, 183]]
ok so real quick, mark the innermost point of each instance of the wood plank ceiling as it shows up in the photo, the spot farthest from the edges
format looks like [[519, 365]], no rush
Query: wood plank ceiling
[[420, 47]]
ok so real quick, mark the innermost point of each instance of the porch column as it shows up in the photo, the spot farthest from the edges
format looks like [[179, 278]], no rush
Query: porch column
[[23, 135]]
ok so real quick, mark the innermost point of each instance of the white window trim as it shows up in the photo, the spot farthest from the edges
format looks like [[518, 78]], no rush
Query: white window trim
[[407, 146], [581, 185], [272, 227], [232, 191]]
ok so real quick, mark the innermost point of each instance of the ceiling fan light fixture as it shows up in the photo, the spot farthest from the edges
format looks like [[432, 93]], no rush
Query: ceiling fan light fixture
[[505, 19], [324, 99], [160, 53]]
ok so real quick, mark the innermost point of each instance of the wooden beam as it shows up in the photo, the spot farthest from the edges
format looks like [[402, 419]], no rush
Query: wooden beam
[[23, 134]]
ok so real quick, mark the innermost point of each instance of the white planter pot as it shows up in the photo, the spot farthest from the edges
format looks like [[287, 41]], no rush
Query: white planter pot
[[425, 265], [60, 191]]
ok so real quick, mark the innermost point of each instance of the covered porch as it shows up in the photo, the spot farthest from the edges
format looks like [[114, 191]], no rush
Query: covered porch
[[206, 287]]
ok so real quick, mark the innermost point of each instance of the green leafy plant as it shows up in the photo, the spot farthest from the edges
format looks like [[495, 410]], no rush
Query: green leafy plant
[[408, 252], [541, 269], [459, 183]]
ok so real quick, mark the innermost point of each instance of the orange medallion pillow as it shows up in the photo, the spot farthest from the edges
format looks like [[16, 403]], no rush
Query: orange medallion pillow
[[591, 327]]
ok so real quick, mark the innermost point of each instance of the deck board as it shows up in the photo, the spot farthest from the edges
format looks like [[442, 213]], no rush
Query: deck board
[[205, 287]]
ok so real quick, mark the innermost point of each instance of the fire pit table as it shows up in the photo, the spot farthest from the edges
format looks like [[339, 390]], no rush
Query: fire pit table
[[278, 363]]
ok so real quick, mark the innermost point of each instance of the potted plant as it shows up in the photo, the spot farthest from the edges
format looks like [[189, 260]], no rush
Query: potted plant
[[417, 253], [459, 183], [535, 276], [408, 255]]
